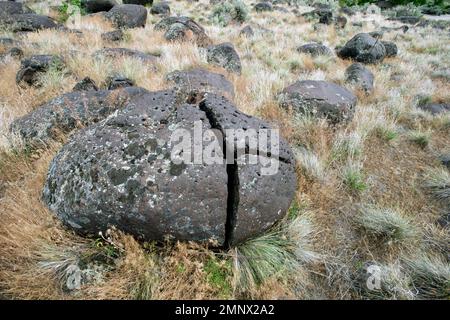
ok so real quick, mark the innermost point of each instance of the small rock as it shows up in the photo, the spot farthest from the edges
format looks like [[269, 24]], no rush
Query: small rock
[[113, 53], [32, 68], [391, 48], [119, 81], [363, 48], [28, 22], [263, 6], [360, 75], [113, 36], [445, 160], [340, 22], [198, 31], [94, 6], [247, 31], [319, 98], [435, 108], [315, 49], [87, 84], [225, 56]]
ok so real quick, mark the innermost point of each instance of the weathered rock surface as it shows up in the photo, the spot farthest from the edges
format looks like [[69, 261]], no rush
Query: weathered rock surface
[[321, 99], [363, 48], [391, 48], [69, 112], [27, 22], [247, 31], [192, 28], [120, 172], [224, 55], [94, 6], [87, 84], [199, 81], [127, 16], [358, 74], [263, 6], [435, 108], [32, 68], [315, 49], [113, 36], [160, 8], [8, 8], [140, 2]]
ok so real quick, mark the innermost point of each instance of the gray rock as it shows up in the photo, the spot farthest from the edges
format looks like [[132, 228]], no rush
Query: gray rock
[[32, 68], [407, 19], [119, 172], [340, 22], [315, 49], [113, 36], [8, 8], [114, 53], [94, 6], [247, 31], [118, 81], [198, 32], [376, 34], [127, 16], [391, 48], [6, 42], [177, 32], [160, 8], [363, 48], [445, 159], [360, 75], [27, 22], [224, 55], [319, 98], [69, 112], [263, 6], [87, 84], [199, 81], [435, 108]]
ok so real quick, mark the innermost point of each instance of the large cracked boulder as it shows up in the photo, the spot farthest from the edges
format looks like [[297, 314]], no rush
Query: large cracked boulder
[[127, 16], [71, 111], [184, 29], [224, 55], [359, 75], [94, 6], [199, 81], [31, 69], [363, 48], [122, 172], [319, 98]]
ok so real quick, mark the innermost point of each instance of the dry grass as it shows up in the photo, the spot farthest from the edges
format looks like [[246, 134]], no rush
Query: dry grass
[[385, 157]]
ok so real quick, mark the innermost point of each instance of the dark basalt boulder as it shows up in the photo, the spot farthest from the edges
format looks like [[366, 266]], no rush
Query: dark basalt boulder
[[319, 98], [118, 81], [27, 22], [113, 36], [391, 48], [120, 172], [94, 6], [363, 48], [361, 76], [160, 8], [263, 6], [199, 81], [247, 31], [435, 108], [87, 84], [32, 68], [114, 53], [224, 55], [315, 49], [139, 2], [191, 28], [127, 16], [8, 8], [69, 112]]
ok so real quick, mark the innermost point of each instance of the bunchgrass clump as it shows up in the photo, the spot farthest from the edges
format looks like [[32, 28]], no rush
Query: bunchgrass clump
[[218, 274], [421, 138], [438, 182], [387, 224], [310, 163], [430, 276], [354, 178], [229, 11]]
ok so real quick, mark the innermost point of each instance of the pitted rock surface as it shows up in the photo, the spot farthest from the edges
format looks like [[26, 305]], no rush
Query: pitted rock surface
[[363, 48], [321, 99], [119, 172], [70, 111], [224, 55], [201, 81], [127, 16]]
